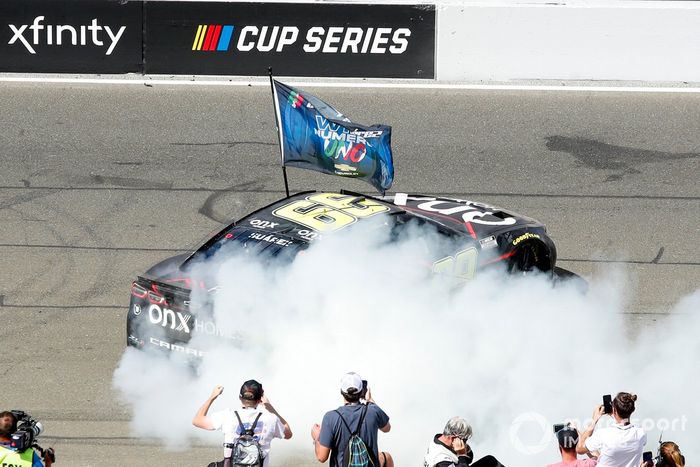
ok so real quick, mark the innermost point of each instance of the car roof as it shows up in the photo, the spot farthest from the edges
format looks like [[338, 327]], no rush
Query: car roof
[[301, 218]]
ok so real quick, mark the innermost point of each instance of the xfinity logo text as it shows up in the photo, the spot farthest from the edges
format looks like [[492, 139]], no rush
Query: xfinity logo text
[[37, 33]]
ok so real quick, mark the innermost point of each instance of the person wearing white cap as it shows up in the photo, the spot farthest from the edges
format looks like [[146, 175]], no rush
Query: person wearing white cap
[[333, 435]]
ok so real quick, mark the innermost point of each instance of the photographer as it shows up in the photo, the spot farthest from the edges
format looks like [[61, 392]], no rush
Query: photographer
[[10, 456], [619, 445]]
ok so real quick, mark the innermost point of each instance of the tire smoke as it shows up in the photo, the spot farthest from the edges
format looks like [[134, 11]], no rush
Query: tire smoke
[[513, 355]]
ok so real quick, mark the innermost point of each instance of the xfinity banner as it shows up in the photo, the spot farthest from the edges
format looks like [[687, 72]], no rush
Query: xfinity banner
[[74, 36], [305, 39]]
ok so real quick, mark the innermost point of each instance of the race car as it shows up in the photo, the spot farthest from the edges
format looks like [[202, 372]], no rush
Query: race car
[[161, 314]]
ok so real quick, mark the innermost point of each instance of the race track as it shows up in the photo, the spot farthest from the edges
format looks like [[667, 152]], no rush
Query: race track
[[101, 181]]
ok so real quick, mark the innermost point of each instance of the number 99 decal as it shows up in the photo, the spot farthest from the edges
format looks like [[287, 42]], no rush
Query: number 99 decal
[[462, 265], [327, 212]]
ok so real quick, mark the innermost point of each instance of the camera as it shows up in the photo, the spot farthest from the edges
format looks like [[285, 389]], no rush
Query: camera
[[560, 426], [26, 433], [27, 430]]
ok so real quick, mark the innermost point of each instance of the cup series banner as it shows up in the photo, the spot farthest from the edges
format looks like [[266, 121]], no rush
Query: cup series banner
[[218, 38]]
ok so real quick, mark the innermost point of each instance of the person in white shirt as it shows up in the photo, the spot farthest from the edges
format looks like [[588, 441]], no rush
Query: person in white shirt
[[618, 445], [269, 425]]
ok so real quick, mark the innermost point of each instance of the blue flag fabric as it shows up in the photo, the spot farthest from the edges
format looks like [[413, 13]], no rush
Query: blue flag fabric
[[315, 136]]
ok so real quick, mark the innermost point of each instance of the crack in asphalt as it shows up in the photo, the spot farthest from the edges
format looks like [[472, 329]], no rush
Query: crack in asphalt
[[658, 256]]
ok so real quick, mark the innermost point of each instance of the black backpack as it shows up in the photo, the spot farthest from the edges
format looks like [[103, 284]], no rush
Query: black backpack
[[356, 452], [246, 449]]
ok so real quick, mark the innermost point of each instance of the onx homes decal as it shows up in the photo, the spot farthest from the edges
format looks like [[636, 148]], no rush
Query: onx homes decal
[[303, 39], [77, 36]]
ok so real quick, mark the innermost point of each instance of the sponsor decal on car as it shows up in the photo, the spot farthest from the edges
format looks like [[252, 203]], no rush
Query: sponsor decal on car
[[262, 224], [308, 235], [136, 309], [163, 316], [524, 237], [40, 32], [166, 317], [270, 239], [488, 242], [176, 347], [210, 328], [468, 211]]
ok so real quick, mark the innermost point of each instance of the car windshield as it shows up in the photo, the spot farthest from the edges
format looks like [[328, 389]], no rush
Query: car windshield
[[251, 241]]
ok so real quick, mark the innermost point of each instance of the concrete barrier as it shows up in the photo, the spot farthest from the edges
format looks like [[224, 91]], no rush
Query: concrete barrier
[[612, 40], [489, 41]]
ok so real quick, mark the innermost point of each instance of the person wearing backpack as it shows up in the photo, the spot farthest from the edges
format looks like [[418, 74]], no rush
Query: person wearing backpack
[[348, 435], [248, 431]]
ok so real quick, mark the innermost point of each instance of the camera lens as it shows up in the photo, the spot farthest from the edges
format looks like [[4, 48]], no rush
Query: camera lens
[[37, 428]]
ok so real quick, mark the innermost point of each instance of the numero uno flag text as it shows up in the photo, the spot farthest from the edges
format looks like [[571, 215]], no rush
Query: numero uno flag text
[[315, 136]]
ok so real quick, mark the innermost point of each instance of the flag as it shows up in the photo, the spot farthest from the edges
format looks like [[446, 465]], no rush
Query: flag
[[315, 136]]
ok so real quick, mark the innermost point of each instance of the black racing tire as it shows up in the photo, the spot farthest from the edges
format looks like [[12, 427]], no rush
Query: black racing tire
[[529, 257]]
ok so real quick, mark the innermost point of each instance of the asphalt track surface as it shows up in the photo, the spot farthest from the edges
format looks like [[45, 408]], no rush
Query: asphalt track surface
[[98, 182]]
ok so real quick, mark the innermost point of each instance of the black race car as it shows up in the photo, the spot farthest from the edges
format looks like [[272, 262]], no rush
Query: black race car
[[160, 315]]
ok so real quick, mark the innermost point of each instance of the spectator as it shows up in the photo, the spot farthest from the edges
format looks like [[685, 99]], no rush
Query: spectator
[[450, 449], [567, 439], [670, 455], [9, 456], [619, 445], [332, 437], [269, 425]]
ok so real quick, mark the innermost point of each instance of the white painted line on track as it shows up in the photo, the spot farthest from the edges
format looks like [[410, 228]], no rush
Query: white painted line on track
[[340, 84]]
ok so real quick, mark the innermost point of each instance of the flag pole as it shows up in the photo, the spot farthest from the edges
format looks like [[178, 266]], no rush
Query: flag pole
[[277, 127]]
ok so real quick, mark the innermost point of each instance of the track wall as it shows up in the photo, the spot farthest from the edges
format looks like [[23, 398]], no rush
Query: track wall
[[446, 41]]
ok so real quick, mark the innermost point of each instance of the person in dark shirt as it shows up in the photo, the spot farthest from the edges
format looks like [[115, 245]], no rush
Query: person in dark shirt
[[333, 435]]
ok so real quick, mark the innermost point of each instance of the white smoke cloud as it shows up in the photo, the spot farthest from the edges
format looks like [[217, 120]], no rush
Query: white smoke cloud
[[511, 356]]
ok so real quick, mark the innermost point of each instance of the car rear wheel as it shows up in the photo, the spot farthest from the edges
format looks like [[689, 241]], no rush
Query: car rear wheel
[[529, 257]]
